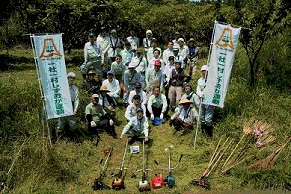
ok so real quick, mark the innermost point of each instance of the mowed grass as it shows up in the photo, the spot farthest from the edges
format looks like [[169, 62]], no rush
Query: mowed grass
[[71, 166]]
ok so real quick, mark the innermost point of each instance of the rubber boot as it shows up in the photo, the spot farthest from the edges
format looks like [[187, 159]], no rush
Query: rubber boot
[[209, 132]]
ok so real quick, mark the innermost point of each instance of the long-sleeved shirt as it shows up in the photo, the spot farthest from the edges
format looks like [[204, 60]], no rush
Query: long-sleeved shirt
[[95, 111], [127, 55], [142, 94], [157, 101], [166, 54], [139, 126], [200, 87], [168, 72], [141, 63], [150, 53], [192, 97], [112, 86], [147, 43], [134, 42], [131, 110], [118, 68], [92, 52], [152, 63], [74, 93], [155, 78], [179, 76], [130, 79], [183, 52], [112, 46], [186, 115]]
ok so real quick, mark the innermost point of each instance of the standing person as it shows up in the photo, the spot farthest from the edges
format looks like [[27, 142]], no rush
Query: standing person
[[74, 94], [92, 57], [168, 74], [192, 57], [97, 119], [138, 126], [133, 107], [134, 41], [131, 76], [176, 36], [152, 49], [178, 78], [112, 47], [118, 68], [112, 85], [138, 91], [154, 77], [206, 112], [101, 38], [168, 52], [91, 84], [141, 65], [147, 41], [157, 104], [156, 57], [126, 53], [183, 52], [176, 55], [184, 117]]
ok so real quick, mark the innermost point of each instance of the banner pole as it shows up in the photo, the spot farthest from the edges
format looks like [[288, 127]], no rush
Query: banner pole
[[43, 112]]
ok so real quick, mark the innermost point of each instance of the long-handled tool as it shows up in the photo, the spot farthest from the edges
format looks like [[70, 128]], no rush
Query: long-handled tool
[[118, 182], [169, 180], [143, 184], [98, 184]]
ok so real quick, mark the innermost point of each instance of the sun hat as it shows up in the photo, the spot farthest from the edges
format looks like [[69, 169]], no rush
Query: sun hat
[[185, 101], [139, 110], [178, 61], [113, 31], [103, 89], [149, 32], [95, 96], [91, 35], [91, 72], [110, 72], [181, 39], [131, 66]]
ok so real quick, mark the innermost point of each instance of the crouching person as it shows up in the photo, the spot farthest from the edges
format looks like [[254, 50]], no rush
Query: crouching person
[[97, 119], [184, 117], [138, 127]]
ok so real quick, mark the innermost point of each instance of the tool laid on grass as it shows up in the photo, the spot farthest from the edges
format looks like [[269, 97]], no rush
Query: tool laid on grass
[[143, 184], [118, 182], [98, 184], [169, 180], [215, 158]]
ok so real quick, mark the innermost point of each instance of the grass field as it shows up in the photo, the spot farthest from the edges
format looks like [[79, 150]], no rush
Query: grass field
[[71, 166]]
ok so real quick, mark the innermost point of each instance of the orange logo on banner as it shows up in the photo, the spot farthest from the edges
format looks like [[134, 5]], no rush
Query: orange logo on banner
[[225, 39], [49, 49]]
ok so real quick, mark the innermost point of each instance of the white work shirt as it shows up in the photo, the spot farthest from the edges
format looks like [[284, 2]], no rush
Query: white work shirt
[[92, 52], [112, 86], [138, 126], [168, 71], [166, 54], [134, 42], [142, 94], [142, 64], [131, 110]]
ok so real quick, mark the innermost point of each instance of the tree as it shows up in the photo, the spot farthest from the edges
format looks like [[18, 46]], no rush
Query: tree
[[260, 19]]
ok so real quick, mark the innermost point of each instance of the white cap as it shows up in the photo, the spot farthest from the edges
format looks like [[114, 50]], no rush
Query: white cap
[[95, 96], [113, 31], [71, 74], [149, 32], [181, 39], [204, 68], [131, 65]]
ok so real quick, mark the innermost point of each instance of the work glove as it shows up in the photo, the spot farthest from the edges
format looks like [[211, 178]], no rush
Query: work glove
[[152, 116], [93, 124], [161, 116], [111, 122]]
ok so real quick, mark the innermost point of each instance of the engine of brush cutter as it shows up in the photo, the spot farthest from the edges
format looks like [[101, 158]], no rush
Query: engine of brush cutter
[[144, 186], [118, 184], [170, 181], [157, 181]]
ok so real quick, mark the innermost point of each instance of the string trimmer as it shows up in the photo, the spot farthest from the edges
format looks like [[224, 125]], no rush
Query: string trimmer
[[143, 184], [118, 182], [98, 184], [169, 180]]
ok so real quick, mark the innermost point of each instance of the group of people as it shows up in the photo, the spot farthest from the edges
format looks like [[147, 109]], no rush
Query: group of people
[[148, 82]]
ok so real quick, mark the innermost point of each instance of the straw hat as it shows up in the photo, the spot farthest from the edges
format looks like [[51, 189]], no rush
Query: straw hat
[[185, 101], [103, 89]]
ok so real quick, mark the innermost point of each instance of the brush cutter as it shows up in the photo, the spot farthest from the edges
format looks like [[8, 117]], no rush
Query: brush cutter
[[169, 180], [143, 184], [118, 182], [98, 184]]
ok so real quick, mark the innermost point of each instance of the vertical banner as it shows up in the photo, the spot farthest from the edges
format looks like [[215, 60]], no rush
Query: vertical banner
[[225, 41], [49, 54]]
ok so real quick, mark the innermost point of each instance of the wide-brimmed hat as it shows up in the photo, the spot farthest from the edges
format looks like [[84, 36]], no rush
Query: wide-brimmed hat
[[131, 66], [204, 68], [103, 89], [185, 101]]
